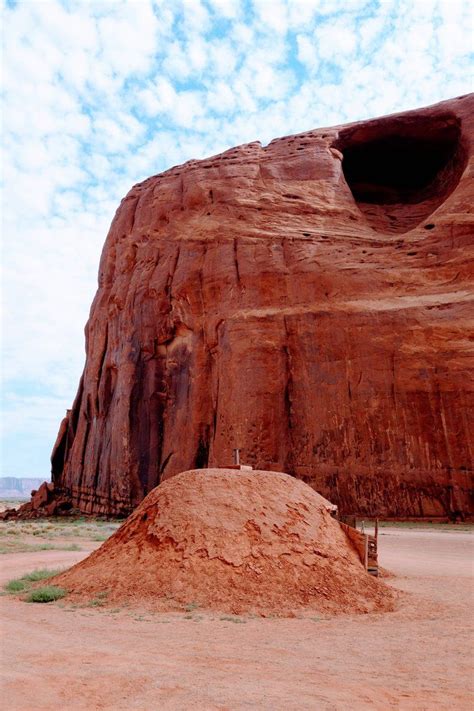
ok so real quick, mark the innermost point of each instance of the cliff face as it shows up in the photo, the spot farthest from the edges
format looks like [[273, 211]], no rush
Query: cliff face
[[309, 302]]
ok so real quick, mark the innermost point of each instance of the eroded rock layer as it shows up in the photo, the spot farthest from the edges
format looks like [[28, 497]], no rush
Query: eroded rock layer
[[309, 302]]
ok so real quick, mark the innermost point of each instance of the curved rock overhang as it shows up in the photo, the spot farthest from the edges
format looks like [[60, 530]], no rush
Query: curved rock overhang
[[400, 169]]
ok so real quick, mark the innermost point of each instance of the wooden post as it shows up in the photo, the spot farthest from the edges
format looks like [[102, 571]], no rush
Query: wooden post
[[366, 551], [376, 530], [237, 457]]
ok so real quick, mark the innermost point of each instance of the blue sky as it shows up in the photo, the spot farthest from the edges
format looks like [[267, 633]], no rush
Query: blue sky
[[99, 95]]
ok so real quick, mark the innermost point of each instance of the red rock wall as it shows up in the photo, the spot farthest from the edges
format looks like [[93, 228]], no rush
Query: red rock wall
[[314, 313]]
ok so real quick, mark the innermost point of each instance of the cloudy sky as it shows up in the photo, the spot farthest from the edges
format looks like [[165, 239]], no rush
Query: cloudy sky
[[99, 95]]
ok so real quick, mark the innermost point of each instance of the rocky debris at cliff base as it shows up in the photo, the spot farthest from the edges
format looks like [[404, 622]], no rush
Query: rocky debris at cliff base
[[47, 500], [238, 542]]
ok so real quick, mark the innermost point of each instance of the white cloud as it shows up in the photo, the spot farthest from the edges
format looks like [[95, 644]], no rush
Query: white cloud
[[272, 15], [195, 16], [307, 53], [221, 99], [228, 9], [128, 36], [176, 64], [335, 40], [222, 57]]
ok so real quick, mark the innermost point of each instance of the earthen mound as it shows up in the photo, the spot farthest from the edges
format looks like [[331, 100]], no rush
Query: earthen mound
[[234, 541]]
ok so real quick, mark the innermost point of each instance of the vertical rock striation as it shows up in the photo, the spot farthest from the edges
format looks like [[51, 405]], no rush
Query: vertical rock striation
[[310, 302]]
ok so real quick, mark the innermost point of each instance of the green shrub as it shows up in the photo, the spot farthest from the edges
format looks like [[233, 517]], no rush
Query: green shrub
[[23, 583], [15, 586], [48, 593], [40, 574]]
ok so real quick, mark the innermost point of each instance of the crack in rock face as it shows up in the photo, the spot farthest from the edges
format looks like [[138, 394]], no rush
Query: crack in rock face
[[309, 302]]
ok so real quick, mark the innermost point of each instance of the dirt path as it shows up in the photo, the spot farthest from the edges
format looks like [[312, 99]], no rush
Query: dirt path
[[417, 658]]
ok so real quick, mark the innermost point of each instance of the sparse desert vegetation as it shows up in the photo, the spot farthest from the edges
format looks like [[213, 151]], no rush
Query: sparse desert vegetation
[[24, 583], [60, 534]]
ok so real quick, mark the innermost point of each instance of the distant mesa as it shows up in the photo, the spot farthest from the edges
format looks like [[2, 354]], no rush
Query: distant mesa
[[19, 488], [309, 302]]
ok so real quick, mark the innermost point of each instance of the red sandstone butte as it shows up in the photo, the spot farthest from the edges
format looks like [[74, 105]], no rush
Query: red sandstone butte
[[309, 302]]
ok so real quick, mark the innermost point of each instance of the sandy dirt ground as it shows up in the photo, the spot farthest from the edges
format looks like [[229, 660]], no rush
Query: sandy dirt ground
[[419, 657]]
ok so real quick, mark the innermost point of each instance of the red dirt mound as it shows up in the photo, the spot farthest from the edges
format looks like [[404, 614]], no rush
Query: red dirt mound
[[234, 541]]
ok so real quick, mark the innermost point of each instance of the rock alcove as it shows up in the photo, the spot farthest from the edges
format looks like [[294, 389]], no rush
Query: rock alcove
[[400, 171]]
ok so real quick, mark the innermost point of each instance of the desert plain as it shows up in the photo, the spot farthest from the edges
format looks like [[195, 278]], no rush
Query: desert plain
[[96, 656]]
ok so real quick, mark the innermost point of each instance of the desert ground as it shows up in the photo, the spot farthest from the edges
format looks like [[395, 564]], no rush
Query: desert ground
[[420, 657]]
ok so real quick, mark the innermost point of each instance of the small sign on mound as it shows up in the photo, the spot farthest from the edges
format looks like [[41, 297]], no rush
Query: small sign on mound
[[235, 541]]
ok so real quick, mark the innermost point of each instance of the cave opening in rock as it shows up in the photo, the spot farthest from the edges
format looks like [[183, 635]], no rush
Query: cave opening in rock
[[399, 170]]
